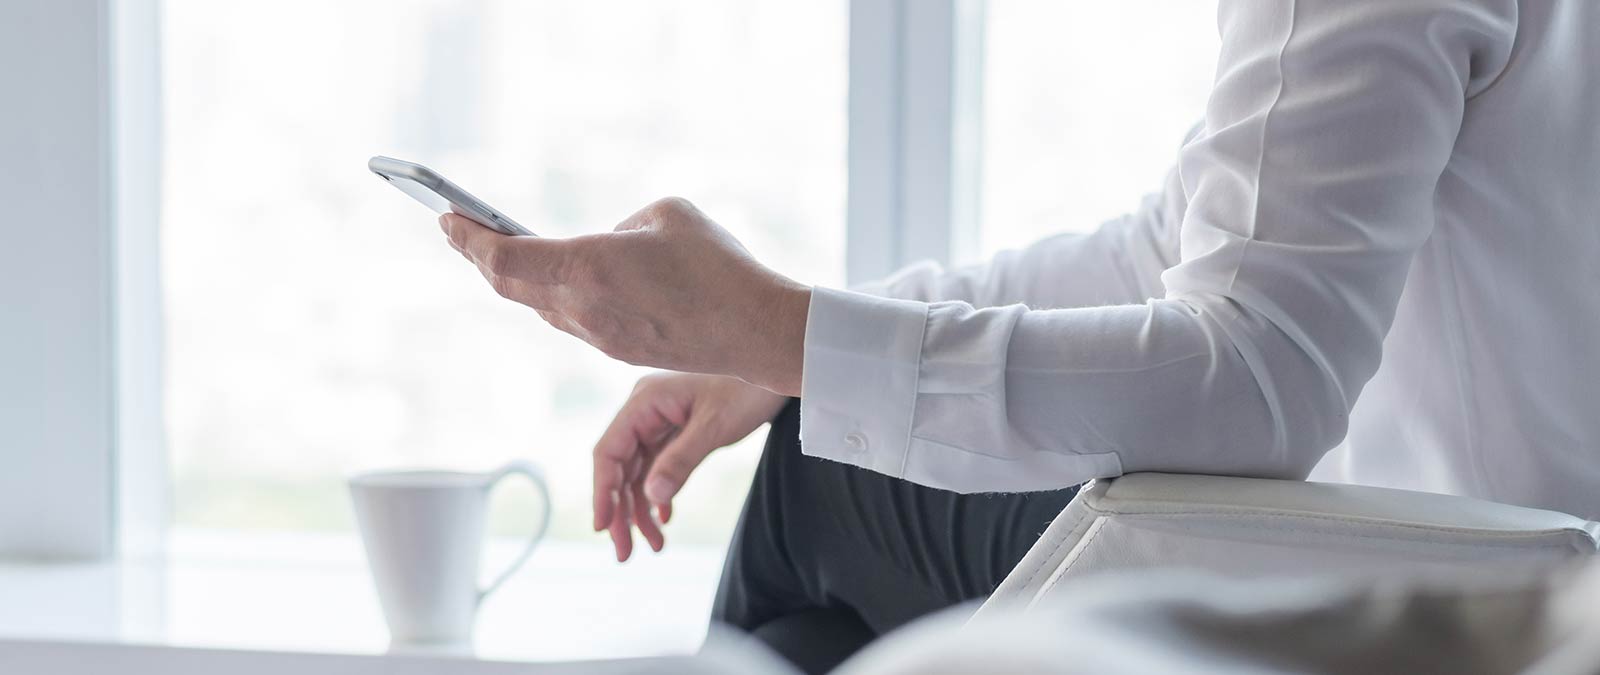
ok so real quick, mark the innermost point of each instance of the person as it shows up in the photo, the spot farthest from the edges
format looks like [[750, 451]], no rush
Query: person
[[1375, 261]]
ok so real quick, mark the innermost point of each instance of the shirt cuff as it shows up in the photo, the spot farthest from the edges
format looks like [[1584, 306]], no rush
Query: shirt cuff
[[858, 389]]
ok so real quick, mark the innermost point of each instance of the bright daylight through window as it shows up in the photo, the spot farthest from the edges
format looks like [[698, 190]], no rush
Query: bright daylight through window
[[318, 323], [1085, 104]]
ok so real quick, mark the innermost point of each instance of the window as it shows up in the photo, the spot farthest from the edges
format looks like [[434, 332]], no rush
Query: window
[[317, 323], [1085, 105]]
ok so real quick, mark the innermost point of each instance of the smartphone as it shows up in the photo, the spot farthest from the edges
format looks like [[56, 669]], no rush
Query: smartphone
[[435, 192]]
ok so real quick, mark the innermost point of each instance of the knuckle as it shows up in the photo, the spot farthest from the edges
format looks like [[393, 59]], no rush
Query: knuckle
[[667, 207], [677, 465], [648, 383]]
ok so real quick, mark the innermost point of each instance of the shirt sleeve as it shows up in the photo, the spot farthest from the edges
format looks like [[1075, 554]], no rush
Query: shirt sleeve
[[1309, 188], [1120, 262]]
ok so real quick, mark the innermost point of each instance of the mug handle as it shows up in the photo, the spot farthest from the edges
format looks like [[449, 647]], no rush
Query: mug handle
[[532, 473]]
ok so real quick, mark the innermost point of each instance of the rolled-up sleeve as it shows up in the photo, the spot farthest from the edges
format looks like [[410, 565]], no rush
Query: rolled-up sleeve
[[1308, 190]]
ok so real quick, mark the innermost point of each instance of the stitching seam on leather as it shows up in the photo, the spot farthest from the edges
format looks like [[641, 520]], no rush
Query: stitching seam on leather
[[1055, 579], [1340, 519], [1053, 551], [1355, 535]]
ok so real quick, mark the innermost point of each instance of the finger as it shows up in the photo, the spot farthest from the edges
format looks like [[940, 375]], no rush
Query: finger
[[607, 481], [610, 474], [622, 526], [478, 244], [645, 522], [633, 476], [677, 460], [469, 237], [529, 259], [618, 445], [663, 511], [617, 528]]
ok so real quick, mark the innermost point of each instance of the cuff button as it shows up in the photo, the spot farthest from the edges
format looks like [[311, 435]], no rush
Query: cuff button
[[855, 441]]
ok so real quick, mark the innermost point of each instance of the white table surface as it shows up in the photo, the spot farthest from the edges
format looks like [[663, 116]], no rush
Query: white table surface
[[287, 595]]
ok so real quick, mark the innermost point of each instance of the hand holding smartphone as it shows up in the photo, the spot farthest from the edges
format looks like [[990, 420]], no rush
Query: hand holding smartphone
[[435, 192]]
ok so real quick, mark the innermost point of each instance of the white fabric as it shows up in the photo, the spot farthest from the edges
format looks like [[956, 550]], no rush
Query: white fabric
[[1249, 527], [1533, 620], [1411, 180]]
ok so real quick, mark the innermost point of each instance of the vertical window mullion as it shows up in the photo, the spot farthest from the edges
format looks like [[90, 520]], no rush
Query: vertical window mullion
[[80, 342], [914, 97], [142, 491], [56, 401], [873, 201]]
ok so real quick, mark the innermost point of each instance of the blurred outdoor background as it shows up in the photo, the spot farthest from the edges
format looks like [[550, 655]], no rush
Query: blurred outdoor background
[[318, 324]]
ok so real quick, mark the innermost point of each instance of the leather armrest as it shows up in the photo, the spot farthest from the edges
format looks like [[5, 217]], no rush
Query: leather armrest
[[1259, 527]]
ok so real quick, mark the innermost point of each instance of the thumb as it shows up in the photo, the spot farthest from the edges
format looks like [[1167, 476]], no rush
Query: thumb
[[677, 460]]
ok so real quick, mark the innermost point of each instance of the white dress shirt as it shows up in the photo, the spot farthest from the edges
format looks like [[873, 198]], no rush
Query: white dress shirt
[[1396, 200]]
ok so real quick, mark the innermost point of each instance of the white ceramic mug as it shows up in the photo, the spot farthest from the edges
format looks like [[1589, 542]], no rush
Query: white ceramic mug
[[424, 533]]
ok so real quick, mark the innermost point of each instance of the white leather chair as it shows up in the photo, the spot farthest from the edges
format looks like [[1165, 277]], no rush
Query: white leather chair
[[1257, 527]]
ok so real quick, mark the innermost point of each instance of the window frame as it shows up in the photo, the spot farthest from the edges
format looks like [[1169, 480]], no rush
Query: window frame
[[102, 490], [914, 129], [85, 467]]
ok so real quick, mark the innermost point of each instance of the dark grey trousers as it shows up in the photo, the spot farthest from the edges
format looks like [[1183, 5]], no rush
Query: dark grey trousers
[[828, 556]]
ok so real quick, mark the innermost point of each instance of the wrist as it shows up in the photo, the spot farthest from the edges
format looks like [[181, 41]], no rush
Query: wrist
[[781, 345]]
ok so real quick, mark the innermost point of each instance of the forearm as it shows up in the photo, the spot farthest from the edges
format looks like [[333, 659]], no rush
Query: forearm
[[1119, 263], [1007, 399]]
